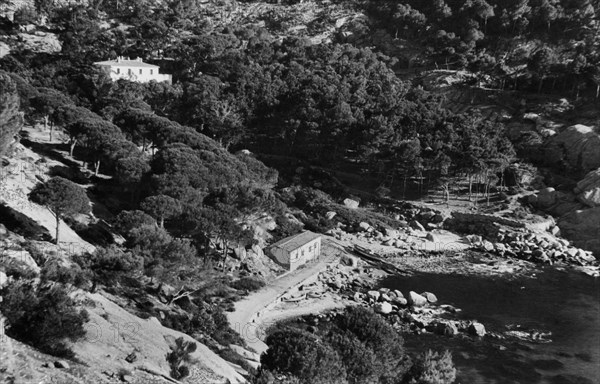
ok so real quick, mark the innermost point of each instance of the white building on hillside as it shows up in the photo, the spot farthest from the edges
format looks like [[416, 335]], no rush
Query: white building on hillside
[[296, 250], [132, 70]]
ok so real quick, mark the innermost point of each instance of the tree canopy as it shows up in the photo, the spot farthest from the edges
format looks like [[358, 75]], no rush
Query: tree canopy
[[63, 197]]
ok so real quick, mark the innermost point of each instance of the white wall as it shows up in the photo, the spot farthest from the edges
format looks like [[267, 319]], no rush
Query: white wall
[[144, 77]]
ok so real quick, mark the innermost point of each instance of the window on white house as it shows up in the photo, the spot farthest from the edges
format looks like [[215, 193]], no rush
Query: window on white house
[[140, 71], [152, 71], [118, 71], [129, 71]]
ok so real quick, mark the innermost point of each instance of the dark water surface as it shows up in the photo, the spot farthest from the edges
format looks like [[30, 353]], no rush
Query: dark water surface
[[564, 303]]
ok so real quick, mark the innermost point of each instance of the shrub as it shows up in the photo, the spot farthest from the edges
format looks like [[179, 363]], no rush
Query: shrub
[[199, 321], [379, 336], [96, 234], [359, 360], [433, 368], [18, 269], [265, 376], [126, 221], [42, 317], [285, 227], [55, 269], [109, 265], [248, 283], [303, 355], [235, 358], [180, 354]]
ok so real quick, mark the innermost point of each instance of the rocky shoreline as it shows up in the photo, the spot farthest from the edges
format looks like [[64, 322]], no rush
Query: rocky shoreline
[[417, 313]]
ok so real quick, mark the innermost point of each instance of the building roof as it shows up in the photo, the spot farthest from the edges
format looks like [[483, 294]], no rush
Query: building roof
[[122, 62], [296, 241]]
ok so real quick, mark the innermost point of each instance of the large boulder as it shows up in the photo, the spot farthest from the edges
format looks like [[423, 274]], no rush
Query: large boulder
[[364, 226], [374, 295], [588, 189], [400, 301], [476, 329], [391, 233], [430, 297], [578, 146], [546, 197], [384, 308], [350, 261], [416, 300], [416, 225], [3, 279], [582, 228], [446, 329], [350, 203]]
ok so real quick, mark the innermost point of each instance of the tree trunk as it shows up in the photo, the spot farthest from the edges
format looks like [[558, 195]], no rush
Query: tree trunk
[[225, 248], [470, 186], [597, 90], [162, 222], [447, 192], [46, 122], [540, 85], [57, 228], [72, 147], [51, 130], [97, 168]]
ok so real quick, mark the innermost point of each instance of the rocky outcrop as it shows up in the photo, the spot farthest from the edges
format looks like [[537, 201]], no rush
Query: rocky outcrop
[[577, 146], [583, 228], [535, 246], [588, 189]]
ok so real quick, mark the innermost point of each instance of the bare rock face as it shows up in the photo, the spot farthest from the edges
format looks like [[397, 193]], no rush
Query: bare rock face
[[40, 42], [582, 227], [578, 146], [588, 189]]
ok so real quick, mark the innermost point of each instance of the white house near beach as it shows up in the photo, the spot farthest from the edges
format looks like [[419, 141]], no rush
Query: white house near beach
[[296, 250], [133, 70]]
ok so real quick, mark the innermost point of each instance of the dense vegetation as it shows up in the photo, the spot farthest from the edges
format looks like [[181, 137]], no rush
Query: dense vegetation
[[42, 316], [358, 346], [543, 45], [10, 118], [176, 165]]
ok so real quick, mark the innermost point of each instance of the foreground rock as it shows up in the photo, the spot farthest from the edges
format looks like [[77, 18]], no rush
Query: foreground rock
[[588, 189], [383, 308], [582, 226], [581, 144], [416, 300], [477, 329]]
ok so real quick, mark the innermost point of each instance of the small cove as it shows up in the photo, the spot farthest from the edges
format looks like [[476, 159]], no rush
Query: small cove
[[564, 303]]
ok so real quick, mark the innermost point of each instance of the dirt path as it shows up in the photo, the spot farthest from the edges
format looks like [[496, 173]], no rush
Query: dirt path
[[283, 311], [249, 312]]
